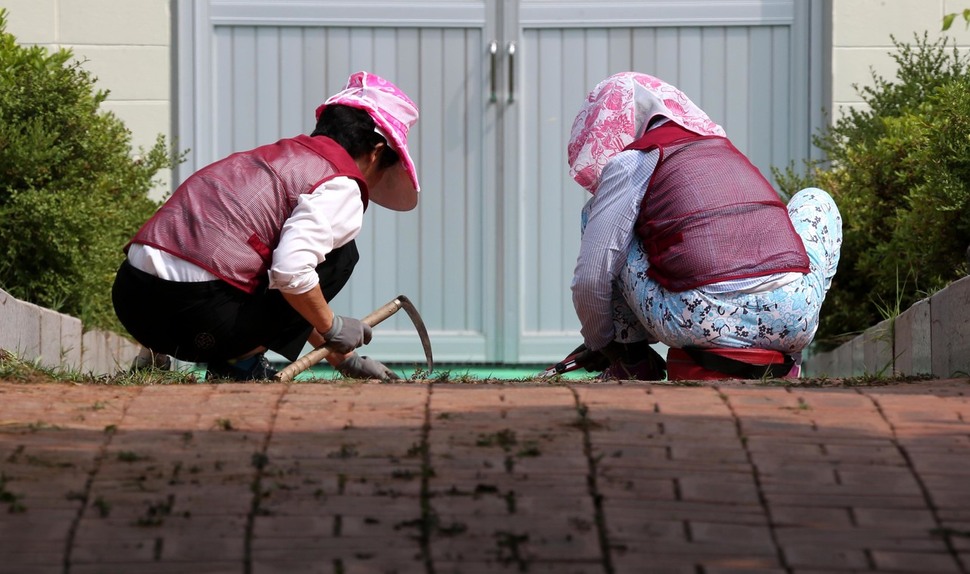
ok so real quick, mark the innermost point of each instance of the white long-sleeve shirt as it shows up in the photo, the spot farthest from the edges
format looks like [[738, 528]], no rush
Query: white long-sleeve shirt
[[607, 240], [327, 218]]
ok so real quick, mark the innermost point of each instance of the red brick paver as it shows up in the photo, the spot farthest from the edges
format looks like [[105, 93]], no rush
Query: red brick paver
[[467, 478]]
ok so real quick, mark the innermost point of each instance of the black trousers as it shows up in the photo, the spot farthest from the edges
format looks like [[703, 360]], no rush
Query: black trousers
[[212, 320]]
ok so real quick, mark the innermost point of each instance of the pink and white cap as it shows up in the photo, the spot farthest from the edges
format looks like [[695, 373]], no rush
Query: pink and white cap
[[616, 113], [395, 114]]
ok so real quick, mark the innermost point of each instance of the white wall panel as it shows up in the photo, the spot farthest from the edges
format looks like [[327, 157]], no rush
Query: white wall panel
[[739, 74], [271, 79]]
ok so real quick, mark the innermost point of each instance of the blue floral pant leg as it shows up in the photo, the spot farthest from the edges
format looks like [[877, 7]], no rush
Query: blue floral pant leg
[[784, 319]]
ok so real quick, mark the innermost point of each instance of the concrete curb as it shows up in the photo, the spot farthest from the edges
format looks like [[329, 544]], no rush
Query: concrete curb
[[930, 338], [59, 341]]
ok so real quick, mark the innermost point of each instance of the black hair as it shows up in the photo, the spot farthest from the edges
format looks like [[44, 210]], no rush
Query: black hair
[[656, 119], [353, 129]]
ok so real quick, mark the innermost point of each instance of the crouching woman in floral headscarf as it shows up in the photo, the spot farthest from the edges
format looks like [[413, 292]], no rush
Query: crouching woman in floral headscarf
[[684, 241]]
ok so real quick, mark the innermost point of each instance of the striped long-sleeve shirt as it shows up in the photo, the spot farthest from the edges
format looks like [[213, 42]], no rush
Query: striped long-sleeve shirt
[[608, 237]]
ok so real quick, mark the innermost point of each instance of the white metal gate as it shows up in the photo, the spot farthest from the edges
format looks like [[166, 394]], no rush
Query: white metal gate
[[488, 254]]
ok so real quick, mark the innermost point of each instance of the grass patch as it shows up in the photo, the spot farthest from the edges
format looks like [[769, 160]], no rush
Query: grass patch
[[15, 370]]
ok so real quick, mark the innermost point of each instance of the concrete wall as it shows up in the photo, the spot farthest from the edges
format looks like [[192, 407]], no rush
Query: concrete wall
[[861, 40], [125, 44], [931, 337], [59, 341]]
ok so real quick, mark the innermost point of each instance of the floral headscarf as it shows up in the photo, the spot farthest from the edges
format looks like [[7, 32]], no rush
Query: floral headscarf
[[616, 112]]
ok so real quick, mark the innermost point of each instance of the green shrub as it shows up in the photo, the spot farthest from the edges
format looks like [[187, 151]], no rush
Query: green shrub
[[900, 174], [71, 191]]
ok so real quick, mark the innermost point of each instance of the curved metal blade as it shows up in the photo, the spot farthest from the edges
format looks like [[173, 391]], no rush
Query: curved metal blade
[[412, 312]]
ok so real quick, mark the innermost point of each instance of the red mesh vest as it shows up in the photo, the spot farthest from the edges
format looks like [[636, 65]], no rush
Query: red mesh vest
[[708, 214], [227, 217]]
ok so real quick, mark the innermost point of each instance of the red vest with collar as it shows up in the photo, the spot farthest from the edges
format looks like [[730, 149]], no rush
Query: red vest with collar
[[227, 217], [708, 215]]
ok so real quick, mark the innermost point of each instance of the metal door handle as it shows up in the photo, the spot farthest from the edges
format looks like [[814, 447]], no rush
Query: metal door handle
[[511, 51], [493, 73]]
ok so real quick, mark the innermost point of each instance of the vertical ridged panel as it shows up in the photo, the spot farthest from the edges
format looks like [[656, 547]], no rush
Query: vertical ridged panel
[[269, 81], [737, 74], [486, 296]]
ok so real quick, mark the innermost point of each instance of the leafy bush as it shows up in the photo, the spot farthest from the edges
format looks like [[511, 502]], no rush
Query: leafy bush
[[900, 174], [71, 192]]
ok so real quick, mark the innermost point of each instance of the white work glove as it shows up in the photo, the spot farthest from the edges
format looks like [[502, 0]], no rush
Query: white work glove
[[358, 367], [346, 334]]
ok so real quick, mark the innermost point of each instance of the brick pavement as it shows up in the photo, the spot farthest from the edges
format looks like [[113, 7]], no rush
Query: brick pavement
[[469, 478]]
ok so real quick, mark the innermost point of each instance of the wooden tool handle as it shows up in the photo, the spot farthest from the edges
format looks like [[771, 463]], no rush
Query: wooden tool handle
[[319, 354]]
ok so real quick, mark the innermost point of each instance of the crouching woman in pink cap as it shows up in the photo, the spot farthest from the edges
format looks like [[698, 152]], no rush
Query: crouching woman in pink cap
[[249, 251], [684, 241]]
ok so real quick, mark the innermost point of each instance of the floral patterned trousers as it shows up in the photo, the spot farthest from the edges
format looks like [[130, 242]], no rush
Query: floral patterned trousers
[[784, 319]]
